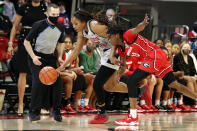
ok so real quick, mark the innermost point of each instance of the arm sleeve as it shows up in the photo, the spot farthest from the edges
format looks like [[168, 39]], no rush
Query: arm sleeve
[[33, 32]]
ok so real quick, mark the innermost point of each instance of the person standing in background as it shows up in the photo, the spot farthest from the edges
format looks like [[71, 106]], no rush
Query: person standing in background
[[27, 14]]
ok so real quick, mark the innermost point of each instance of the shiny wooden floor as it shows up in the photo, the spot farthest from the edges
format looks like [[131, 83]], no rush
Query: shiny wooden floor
[[147, 122]]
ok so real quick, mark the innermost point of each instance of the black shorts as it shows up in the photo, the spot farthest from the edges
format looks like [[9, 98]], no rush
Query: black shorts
[[79, 83]]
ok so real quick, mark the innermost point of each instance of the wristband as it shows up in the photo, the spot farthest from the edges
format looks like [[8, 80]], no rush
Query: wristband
[[10, 43]]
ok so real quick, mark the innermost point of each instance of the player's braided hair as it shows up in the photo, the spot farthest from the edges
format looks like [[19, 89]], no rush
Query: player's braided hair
[[116, 29]]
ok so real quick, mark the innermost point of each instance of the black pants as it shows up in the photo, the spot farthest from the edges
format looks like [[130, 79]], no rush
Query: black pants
[[43, 96], [102, 76]]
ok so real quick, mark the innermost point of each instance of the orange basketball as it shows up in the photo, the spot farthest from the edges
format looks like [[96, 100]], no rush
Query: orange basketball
[[48, 75]]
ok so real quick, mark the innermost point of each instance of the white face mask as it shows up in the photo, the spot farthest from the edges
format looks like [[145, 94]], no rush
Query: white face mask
[[110, 19]]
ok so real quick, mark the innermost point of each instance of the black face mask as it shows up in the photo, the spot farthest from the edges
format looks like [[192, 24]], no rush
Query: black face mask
[[53, 19], [186, 51], [89, 48]]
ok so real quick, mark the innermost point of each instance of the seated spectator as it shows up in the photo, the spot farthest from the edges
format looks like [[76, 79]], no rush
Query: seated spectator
[[159, 42], [9, 10], [5, 23], [193, 36], [184, 62], [88, 58], [76, 81], [175, 49]]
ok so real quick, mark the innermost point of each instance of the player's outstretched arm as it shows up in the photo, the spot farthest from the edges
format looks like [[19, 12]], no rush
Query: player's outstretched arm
[[140, 27]]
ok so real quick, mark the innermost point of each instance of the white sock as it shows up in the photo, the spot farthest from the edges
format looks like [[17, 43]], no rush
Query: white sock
[[180, 102], [157, 102], [86, 101], [133, 113], [169, 102], [79, 102], [164, 102], [142, 102]]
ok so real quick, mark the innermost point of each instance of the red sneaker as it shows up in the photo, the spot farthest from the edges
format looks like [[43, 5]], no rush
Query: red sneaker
[[99, 119], [183, 107], [128, 121], [91, 109], [140, 110], [194, 107], [63, 111], [81, 109], [146, 108], [69, 109], [174, 107]]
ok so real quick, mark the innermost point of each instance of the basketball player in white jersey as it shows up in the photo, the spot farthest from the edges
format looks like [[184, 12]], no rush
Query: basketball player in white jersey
[[95, 29]]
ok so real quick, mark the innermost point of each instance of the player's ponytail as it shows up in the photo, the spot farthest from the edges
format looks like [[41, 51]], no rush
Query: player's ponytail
[[83, 15]]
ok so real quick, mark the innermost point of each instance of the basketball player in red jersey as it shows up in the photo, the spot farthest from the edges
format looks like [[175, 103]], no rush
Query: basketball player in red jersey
[[154, 62]]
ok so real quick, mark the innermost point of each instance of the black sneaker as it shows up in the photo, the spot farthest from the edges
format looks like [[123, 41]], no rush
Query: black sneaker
[[160, 108], [56, 115], [169, 109], [34, 115]]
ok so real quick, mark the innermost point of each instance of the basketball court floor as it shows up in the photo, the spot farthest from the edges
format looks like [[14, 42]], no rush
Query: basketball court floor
[[147, 122]]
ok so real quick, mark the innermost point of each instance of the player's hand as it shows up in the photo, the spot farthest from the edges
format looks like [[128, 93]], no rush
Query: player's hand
[[10, 50], [146, 20], [115, 61], [60, 61], [36, 60], [78, 71], [61, 68]]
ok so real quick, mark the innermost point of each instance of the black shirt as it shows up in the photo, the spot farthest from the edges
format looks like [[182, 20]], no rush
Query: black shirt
[[180, 65], [46, 36], [31, 14]]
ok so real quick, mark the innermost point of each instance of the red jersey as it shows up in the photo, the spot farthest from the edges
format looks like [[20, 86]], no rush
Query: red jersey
[[154, 60]]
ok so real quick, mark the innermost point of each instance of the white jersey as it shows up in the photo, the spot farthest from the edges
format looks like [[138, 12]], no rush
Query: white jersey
[[104, 47]]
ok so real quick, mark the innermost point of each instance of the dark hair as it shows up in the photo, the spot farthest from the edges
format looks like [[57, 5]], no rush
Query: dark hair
[[164, 48], [82, 15], [101, 17], [116, 29]]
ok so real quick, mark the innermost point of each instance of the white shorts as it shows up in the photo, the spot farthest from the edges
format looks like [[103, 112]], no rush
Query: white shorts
[[105, 60]]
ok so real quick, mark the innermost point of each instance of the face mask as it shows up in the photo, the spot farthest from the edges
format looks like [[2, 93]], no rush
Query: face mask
[[1, 10], [53, 19], [110, 19], [89, 48], [185, 51], [36, 1]]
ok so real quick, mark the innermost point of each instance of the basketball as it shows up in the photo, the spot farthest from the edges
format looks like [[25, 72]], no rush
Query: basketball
[[48, 75]]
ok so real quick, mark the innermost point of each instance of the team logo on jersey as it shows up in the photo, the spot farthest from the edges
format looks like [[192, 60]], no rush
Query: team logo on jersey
[[146, 65]]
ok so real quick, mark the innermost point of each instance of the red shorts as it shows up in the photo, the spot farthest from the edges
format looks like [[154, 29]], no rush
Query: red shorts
[[156, 63]]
